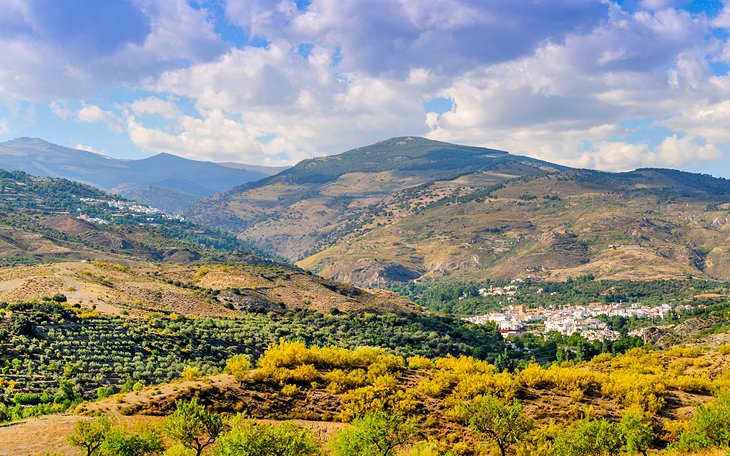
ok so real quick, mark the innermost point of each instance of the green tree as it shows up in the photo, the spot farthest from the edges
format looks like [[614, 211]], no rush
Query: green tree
[[118, 442], [194, 426], [90, 435], [375, 434], [589, 437], [710, 426], [505, 424], [250, 438], [636, 433]]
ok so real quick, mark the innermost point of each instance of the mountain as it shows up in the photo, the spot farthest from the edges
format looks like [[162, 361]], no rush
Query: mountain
[[645, 224], [413, 209], [313, 204], [52, 219], [165, 181]]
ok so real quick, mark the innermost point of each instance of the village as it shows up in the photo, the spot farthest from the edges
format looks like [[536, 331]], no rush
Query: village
[[517, 320], [127, 206]]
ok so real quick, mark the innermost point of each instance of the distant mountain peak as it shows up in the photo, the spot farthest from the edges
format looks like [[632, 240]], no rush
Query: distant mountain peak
[[164, 180]]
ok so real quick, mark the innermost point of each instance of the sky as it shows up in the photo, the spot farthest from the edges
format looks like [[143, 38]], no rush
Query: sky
[[611, 85]]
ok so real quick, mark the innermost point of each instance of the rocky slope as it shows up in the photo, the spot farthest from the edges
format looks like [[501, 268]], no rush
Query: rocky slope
[[410, 208], [315, 203]]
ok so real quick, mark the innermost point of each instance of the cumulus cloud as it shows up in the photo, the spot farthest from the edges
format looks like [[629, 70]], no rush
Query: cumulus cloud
[[301, 102], [551, 79], [564, 103], [65, 51], [212, 137], [671, 152], [94, 114], [155, 106], [387, 36]]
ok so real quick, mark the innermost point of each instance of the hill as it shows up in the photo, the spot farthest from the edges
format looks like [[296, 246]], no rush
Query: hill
[[410, 208], [166, 181], [660, 402], [646, 224], [315, 203], [50, 219], [212, 290]]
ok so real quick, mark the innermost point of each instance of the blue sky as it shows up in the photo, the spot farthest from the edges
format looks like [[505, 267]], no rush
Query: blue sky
[[613, 85]]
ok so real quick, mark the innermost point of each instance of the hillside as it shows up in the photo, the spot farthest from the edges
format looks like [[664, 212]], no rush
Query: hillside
[[166, 181], [644, 224], [44, 219], [410, 208], [660, 402], [213, 290], [315, 203]]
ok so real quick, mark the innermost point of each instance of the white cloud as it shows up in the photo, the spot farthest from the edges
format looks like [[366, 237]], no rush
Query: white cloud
[[55, 55], [60, 109], [565, 102], [85, 147], [4, 126], [213, 137], [94, 114], [303, 104], [153, 105], [709, 120], [553, 79], [671, 152]]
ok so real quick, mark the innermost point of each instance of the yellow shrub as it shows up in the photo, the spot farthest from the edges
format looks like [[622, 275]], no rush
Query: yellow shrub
[[464, 365], [700, 384], [602, 358], [382, 395], [672, 429], [190, 373], [286, 354], [290, 390], [471, 386], [438, 384], [292, 354], [339, 381], [305, 373], [630, 389], [238, 366], [571, 378], [113, 266], [419, 362], [532, 376]]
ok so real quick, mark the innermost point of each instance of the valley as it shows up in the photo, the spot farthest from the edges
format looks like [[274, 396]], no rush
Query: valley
[[419, 267]]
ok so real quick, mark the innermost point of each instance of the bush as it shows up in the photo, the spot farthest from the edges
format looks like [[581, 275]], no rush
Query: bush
[[376, 434], [238, 366], [589, 437], [250, 438], [710, 427], [505, 424], [193, 426], [103, 392]]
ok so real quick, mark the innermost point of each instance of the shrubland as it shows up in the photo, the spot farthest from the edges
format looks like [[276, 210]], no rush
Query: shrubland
[[641, 402]]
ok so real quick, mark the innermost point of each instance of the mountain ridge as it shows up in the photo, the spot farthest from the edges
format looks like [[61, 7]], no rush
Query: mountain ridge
[[183, 181], [297, 210], [414, 209]]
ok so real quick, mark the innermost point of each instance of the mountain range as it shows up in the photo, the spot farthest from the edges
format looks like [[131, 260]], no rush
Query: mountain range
[[410, 208], [415, 209], [164, 181]]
